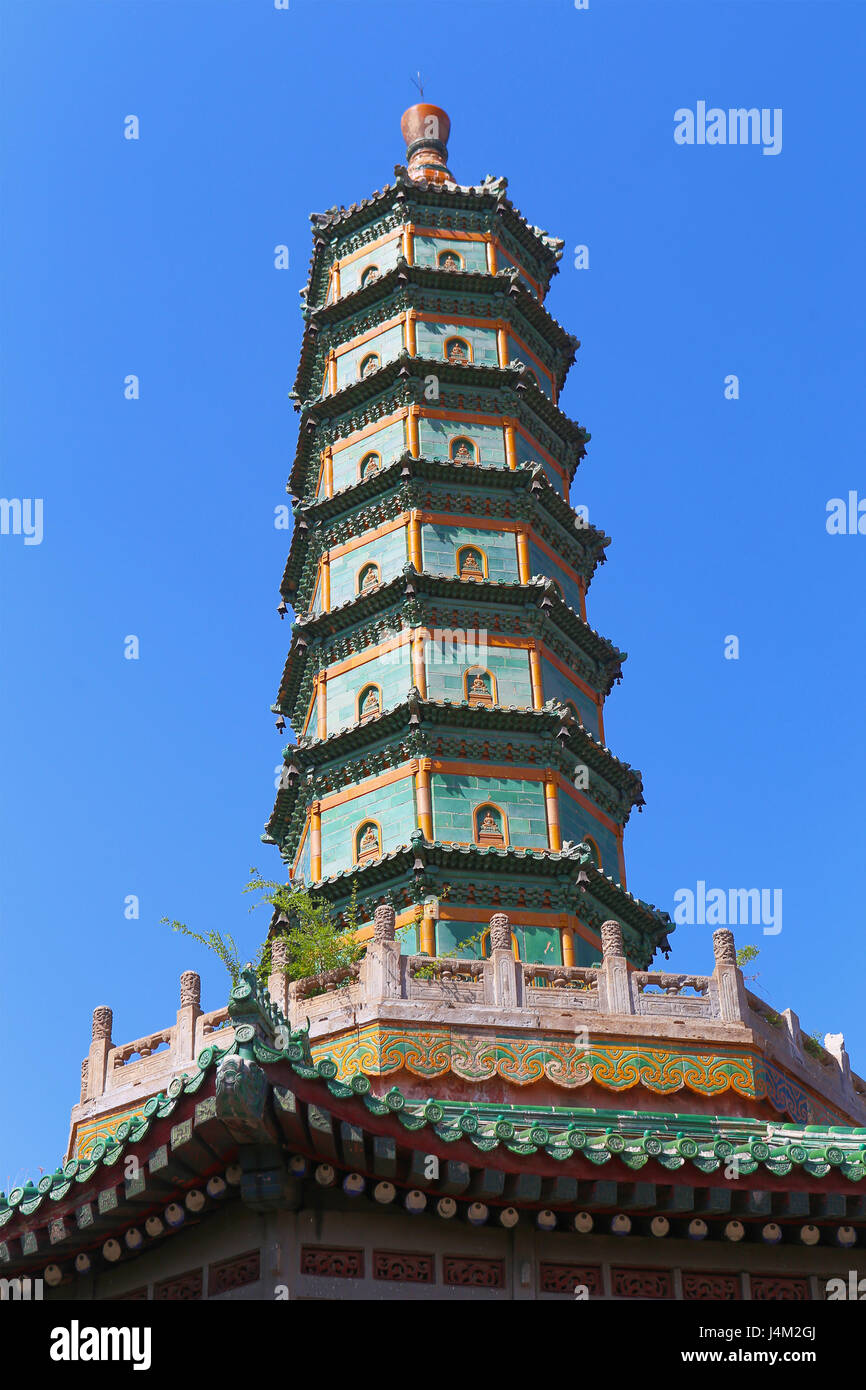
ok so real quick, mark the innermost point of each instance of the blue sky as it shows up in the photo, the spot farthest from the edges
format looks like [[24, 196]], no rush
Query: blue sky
[[155, 257]]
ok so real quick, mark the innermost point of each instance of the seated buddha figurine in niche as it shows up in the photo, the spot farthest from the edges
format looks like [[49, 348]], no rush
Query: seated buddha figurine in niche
[[369, 845], [370, 705], [490, 831], [479, 691]]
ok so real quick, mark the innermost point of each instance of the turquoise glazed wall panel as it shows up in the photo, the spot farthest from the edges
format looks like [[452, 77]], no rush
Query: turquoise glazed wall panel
[[392, 806], [447, 662], [430, 339], [455, 797], [391, 672], [302, 870], [506, 262], [576, 822], [473, 254], [387, 346], [440, 545], [384, 257], [529, 452], [538, 945], [389, 442], [558, 687], [436, 436], [518, 353], [541, 563], [389, 552]]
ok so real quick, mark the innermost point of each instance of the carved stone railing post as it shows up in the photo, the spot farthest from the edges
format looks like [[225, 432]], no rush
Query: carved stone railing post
[[795, 1032], [100, 1046], [187, 1016], [614, 986], [380, 968], [506, 976], [278, 980], [834, 1043], [733, 1005]]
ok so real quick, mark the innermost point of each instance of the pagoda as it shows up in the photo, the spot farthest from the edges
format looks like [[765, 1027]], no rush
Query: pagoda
[[505, 1098], [445, 686]]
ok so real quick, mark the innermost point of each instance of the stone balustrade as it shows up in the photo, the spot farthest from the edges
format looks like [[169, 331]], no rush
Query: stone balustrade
[[473, 992], [118, 1074], [655, 1004]]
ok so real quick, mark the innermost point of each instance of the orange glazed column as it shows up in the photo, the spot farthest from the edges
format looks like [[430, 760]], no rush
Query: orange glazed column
[[551, 802], [315, 842], [427, 943], [322, 706], [326, 583], [535, 677], [523, 569], [419, 665], [425, 805]]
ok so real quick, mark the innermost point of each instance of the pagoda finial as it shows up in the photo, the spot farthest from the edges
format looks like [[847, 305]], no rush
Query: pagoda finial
[[426, 129]]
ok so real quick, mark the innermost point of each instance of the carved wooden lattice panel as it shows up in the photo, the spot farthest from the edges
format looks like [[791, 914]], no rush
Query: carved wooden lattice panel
[[563, 1278], [641, 1283], [400, 1264], [768, 1287], [234, 1273], [182, 1287], [473, 1271], [715, 1287], [331, 1262]]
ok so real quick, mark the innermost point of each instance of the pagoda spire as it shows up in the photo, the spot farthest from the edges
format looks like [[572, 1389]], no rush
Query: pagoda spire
[[426, 129]]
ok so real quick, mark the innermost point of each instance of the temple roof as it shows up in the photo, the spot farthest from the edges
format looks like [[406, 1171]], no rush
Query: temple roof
[[265, 1096]]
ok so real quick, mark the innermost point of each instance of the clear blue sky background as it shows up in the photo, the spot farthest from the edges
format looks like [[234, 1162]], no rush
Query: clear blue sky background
[[155, 257]]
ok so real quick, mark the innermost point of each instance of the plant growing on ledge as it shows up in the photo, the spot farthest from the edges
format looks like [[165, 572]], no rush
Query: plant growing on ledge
[[316, 940], [223, 947], [745, 956]]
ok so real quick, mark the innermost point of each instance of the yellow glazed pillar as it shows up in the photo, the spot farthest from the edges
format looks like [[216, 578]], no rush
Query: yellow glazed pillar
[[315, 842], [551, 804], [326, 583], [415, 540], [414, 434], [322, 706], [419, 665], [523, 570], [332, 373], [567, 946], [427, 942], [409, 244], [411, 344], [510, 444], [425, 803], [490, 248], [502, 343], [535, 677]]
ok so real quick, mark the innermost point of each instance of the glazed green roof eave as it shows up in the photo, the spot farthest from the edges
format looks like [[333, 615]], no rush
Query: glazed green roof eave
[[651, 923], [501, 289], [401, 382], [408, 198], [633, 1137], [402, 472], [538, 596], [337, 749]]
